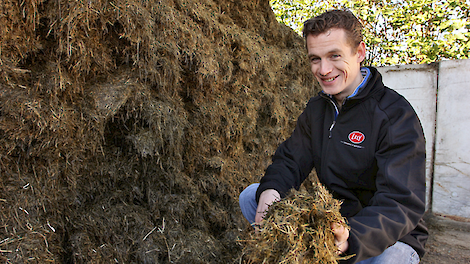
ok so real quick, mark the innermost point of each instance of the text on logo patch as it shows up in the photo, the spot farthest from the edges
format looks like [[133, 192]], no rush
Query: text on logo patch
[[356, 137]]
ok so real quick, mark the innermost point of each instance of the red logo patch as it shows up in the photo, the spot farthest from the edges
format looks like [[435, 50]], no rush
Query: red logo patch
[[356, 137]]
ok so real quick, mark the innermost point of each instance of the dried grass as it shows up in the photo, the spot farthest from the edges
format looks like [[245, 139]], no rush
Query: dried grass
[[150, 109], [297, 230]]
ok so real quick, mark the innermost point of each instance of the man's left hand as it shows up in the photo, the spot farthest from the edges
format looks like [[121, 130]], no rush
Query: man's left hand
[[341, 237]]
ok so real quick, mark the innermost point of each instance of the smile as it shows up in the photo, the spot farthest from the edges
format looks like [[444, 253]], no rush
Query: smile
[[330, 79]]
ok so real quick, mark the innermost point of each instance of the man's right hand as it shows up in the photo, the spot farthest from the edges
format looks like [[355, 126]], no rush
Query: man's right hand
[[266, 198]]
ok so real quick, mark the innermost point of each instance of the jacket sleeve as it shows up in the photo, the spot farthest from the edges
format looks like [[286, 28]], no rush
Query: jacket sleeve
[[399, 202], [292, 161]]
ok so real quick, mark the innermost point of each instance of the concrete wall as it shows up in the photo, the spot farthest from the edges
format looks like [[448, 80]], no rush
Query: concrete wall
[[451, 190], [445, 127]]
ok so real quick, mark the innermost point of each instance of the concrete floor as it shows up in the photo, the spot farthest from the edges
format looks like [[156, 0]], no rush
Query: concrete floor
[[449, 240]]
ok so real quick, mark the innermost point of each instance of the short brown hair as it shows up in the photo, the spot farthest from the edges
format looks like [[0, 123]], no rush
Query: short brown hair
[[342, 19]]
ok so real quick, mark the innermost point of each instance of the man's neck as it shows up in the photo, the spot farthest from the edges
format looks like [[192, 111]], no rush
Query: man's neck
[[339, 101]]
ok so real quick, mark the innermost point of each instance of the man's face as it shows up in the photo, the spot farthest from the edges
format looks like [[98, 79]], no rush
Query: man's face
[[335, 64]]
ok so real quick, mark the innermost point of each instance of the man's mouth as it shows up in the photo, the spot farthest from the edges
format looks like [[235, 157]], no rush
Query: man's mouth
[[330, 79]]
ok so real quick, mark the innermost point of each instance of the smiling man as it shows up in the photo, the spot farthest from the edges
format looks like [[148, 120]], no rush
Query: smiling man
[[364, 141], [335, 63]]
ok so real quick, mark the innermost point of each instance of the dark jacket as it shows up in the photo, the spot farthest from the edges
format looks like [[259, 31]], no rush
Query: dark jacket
[[370, 155]]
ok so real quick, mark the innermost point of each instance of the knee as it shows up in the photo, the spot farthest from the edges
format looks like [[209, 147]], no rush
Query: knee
[[247, 200], [249, 193]]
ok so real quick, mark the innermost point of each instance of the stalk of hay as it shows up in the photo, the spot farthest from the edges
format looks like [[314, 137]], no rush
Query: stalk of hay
[[297, 229]]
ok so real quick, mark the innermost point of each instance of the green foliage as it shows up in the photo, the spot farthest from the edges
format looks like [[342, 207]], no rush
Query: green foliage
[[395, 31]]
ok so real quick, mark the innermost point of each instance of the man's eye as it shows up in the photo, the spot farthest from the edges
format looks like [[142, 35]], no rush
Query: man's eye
[[314, 60], [335, 56]]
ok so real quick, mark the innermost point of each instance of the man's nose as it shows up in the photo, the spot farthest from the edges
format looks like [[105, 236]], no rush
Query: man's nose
[[325, 68]]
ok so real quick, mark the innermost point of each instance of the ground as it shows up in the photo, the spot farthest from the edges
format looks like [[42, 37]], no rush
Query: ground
[[449, 241]]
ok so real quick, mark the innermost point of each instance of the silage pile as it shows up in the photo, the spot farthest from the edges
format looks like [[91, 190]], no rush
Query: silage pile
[[129, 127], [297, 230]]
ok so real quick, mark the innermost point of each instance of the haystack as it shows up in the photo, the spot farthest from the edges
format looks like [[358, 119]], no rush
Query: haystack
[[129, 127]]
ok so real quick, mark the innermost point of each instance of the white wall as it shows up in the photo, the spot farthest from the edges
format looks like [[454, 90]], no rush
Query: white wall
[[446, 131], [451, 193]]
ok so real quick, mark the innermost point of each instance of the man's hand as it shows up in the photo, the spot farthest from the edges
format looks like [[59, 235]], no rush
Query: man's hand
[[266, 198], [341, 237]]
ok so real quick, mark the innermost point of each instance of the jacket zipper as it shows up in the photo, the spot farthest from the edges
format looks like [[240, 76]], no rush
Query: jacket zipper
[[336, 115], [331, 127]]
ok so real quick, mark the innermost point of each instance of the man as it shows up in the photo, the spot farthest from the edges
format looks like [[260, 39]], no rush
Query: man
[[364, 141]]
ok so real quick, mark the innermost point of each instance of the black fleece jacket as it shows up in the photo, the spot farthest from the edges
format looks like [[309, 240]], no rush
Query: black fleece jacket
[[370, 155]]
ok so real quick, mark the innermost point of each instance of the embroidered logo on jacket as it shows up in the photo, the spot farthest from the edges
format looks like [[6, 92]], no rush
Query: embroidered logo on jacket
[[356, 137]]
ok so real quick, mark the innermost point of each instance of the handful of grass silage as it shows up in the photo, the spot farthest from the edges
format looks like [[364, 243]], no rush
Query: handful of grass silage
[[297, 229]]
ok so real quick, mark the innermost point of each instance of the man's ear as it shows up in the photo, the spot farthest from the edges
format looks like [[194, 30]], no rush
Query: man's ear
[[361, 52]]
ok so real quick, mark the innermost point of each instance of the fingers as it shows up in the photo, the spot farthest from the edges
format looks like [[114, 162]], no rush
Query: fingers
[[266, 198], [341, 232], [342, 247], [341, 237], [260, 213]]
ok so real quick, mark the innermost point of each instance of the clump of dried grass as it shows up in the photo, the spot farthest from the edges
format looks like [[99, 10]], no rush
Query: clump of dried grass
[[297, 229]]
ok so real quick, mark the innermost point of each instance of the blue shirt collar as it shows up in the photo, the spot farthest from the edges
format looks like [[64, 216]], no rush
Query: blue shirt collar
[[365, 74]]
